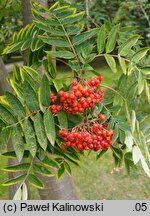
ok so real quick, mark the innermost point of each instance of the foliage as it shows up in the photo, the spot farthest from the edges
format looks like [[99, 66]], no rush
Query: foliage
[[25, 114], [10, 20]]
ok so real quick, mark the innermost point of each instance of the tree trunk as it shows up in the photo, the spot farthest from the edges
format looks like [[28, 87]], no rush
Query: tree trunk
[[54, 189], [3, 72], [63, 189]]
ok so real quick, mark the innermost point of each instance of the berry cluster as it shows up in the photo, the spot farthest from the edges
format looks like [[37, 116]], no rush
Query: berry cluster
[[95, 139], [80, 97]]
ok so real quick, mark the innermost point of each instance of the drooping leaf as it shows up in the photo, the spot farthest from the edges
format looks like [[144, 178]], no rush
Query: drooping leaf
[[30, 97], [126, 47], [136, 154], [62, 118], [14, 180], [24, 192], [101, 39], [40, 131], [101, 153], [62, 54], [112, 39], [147, 90], [17, 168], [111, 62], [67, 167], [15, 104], [45, 91], [145, 166], [133, 121], [49, 126], [50, 162], [60, 172], [140, 54], [18, 194], [38, 168], [145, 70], [140, 83], [30, 136], [122, 64], [35, 181], [129, 140], [116, 133], [18, 142]]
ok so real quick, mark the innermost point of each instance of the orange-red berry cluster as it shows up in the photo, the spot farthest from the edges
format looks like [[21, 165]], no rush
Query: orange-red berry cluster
[[98, 137], [79, 98]]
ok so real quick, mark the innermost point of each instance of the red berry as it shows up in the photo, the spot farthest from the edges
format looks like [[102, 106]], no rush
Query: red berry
[[101, 117]]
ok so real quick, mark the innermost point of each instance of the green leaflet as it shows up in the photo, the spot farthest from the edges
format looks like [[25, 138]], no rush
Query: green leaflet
[[12, 154], [42, 170], [139, 54], [36, 44], [145, 70], [60, 172], [45, 91], [49, 126], [30, 136], [73, 18], [14, 180], [126, 47], [62, 54], [78, 39], [116, 133], [112, 39], [111, 62], [49, 67], [26, 44], [46, 28], [101, 153], [17, 168], [18, 142], [122, 64], [101, 39], [6, 116], [35, 181], [50, 162], [147, 90], [4, 137], [58, 84], [16, 88], [140, 83], [33, 73], [40, 131], [75, 29], [65, 12], [44, 19], [63, 121], [67, 167], [54, 41], [30, 97], [15, 104]]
